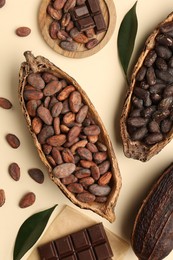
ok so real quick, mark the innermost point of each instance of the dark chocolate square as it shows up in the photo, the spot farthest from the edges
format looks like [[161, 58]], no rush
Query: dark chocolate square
[[103, 251], [94, 6], [79, 12], [80, 240], [64, 246], [47, 251], [86, 255], [97, 234], [100, 25], [85, 23], [70, 257]]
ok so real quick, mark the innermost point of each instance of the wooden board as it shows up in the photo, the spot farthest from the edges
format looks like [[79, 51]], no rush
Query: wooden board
[[108, 10]]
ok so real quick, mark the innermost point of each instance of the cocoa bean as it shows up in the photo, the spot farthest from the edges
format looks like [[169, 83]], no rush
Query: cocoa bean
[[45, 115], [2, 197], [56, 109], [68, 180], [92, 147], [150, 58], [153, 138], [87, 181], [73, 133], [46, 148], [23, 31], [104, 167], [69, 118], [65, 20], [82, 113], [51, 161], [54, 13], [91, 130], [64, 170], [45, 133], [5, 103], [68, 46], [36, 125], [56, 140], [85, 197], [82, 173], [75, 187], [33, 94], [98, 190], [13, 140], [75, 101], [64, 94], [67, 156], [105, 179], [35, 80], [99, 157], [57, 155], [47, 77], [90, 44], [32, 106], [2, 3], [27, 200], [78, 144], [52, 88], [84, 153], [95, 172], [87, 164], [56, 125], [36, 174], [14, 171], [69, 5]]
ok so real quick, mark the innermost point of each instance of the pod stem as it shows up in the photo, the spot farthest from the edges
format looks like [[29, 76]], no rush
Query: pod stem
[[31, 60]]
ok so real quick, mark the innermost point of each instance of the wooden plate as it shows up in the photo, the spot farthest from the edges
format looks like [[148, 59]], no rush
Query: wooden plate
[[108, 10]]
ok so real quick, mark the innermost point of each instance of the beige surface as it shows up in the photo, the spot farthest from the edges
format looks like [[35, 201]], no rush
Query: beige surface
[[101, 77], [63, 225]]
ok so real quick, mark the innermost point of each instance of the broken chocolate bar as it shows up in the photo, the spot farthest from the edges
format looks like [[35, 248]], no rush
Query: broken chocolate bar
[[87, 244]]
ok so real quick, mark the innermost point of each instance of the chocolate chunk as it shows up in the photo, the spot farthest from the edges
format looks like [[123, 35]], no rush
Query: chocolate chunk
[[99, 23], [87, 244], [93, 6], [79, 12], [85, 23]]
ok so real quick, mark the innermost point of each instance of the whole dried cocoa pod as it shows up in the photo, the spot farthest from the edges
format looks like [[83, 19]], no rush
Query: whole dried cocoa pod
[[147, 95], [152, 236], [59, 145]]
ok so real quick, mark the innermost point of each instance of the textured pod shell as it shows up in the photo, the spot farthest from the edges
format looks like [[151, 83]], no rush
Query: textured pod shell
[[40, 65], [152, 236], [137, 149]]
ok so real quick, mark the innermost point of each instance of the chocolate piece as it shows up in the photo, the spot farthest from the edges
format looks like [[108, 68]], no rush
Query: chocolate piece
[[85, 23], [87, 244], [94, 6], [79, 12], [100, 25]]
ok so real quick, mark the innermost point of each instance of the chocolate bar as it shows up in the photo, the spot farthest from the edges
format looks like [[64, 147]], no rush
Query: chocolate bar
[[87, 244], [85, 23], [94, 6], [100, 25]]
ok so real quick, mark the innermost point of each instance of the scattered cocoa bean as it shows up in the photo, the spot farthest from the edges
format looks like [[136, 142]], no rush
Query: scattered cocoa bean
[[2, 3], [27, 200], [5, 103], [36, 174], [2, 197], [14, 171], [13, 140], [23, 31]]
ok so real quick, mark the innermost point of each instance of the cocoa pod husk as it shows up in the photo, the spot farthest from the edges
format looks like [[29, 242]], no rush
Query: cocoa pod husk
[[152, 233], [41, 65], [137, 149]]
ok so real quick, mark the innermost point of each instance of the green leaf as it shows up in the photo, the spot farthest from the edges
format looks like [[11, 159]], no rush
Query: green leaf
[[30, 231], [126, 37]]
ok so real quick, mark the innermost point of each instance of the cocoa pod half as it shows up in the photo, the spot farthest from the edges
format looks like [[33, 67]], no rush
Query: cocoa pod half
[[147, 101], [152, 236], [61, 148]]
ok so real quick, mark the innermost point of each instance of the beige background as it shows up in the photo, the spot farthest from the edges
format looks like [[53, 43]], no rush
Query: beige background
[[101, 77]]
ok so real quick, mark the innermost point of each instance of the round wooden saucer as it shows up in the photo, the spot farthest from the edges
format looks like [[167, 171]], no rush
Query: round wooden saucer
[[109, 13]]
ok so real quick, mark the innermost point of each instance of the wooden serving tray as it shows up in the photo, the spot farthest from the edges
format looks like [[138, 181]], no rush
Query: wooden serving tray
[[109, 13]]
